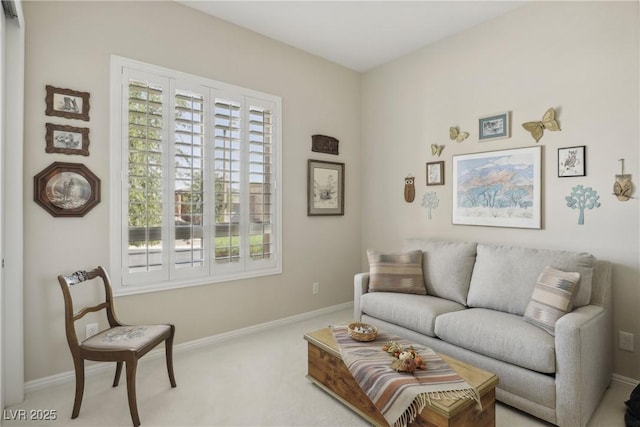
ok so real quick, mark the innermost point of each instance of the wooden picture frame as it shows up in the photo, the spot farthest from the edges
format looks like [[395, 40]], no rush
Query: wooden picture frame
[[435, 173], [498, 188], [572, 161], [325, 188], [67, 103], [67, 139], [66, 189], [494, 126]]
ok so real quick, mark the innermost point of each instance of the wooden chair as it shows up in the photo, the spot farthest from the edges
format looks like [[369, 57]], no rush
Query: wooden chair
[[119, 343]]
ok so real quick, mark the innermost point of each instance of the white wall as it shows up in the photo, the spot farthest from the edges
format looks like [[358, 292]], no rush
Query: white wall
[[317, 97], [581, 59]]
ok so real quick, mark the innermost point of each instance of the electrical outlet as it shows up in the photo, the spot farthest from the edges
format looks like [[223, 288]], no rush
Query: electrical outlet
[[92, 329], [625, 341], [316, 288]]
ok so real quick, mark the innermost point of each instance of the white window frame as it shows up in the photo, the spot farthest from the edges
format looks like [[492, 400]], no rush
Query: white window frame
[[212, 273]]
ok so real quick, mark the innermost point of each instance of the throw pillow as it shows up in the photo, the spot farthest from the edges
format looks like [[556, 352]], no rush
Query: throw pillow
[[396, 272], [552, 298]]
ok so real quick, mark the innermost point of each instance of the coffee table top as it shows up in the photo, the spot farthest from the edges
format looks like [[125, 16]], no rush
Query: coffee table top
[[479, 379]]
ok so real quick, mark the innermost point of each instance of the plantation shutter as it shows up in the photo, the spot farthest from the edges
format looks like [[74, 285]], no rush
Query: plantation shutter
[[198, 168], [146, 118], [189, 180], [227, 171], [261, 182]]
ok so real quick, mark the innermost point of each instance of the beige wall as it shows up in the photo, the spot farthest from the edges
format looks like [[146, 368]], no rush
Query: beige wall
[[581, 59], [69, 45]]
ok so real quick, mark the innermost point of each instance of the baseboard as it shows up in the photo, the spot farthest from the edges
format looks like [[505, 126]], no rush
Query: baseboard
[[94, 369], [625, 380]]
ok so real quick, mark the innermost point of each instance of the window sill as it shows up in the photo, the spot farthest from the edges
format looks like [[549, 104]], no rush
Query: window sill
[[202, 281]]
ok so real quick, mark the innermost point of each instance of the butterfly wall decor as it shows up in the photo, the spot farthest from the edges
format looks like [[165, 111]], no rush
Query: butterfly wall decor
[[436, 149], [548, 122], [457, 136]]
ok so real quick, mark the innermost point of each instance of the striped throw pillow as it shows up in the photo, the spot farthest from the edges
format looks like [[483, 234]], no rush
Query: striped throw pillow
[[552, 298], [396, 272]]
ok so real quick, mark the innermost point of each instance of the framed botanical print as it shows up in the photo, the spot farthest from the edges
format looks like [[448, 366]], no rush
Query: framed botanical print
[[435, 173], [325, 188]]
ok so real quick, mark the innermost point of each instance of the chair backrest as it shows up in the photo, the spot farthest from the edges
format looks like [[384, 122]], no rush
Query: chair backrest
[[70, 316]]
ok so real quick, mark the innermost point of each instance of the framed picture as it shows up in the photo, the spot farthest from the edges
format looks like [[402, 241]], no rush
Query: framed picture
[[67, 139], [324, 144], [66, 189], [67, 103], [495, 126], [498, 188], [435, 173], [325, 188], [572, 161]]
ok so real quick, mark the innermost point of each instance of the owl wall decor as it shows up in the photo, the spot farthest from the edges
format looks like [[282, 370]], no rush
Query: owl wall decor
[[623, 187], [409, 189]]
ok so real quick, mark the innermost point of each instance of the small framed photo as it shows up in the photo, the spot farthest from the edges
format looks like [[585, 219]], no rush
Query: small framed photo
[[67, 103], [572, 161], [495, 126], [66, 189], [67, 139], [435, 173], [325, 188]]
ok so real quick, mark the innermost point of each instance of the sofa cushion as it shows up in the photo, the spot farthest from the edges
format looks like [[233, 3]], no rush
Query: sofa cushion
[[499, 335], [396, 272], [552, 298], [415, 312], [504, 276], [447, 267]]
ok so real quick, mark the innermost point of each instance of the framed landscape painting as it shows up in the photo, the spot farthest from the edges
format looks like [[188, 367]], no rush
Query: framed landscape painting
[[498, 188]]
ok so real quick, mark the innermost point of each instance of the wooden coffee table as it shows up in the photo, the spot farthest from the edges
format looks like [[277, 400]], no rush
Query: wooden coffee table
[[326, 370]]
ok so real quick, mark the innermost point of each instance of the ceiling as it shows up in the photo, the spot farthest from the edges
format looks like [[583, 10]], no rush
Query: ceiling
[[359, 35]]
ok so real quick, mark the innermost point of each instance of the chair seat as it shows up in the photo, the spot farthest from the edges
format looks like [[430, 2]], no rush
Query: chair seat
[[126, 337]]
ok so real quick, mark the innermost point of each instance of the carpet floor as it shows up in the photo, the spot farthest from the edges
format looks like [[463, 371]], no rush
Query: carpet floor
[[231, 384]]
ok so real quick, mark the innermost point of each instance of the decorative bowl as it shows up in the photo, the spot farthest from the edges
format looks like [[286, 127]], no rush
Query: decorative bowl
[[362, 331]]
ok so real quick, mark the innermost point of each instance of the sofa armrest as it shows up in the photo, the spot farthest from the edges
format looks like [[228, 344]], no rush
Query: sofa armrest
[[360, 287], [584, 355]]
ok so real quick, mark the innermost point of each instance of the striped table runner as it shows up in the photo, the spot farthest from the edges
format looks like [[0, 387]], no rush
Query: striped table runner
[[399, 396]]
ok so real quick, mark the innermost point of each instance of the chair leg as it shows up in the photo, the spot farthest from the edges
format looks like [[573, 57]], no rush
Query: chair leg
[[168, 349], [79, 368], [116, 379], [131, 390]]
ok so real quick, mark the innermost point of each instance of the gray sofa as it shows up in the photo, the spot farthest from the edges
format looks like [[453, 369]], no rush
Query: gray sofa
[[476, 297]]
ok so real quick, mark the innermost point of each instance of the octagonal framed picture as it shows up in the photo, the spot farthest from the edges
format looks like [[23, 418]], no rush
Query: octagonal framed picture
[[66, 189]]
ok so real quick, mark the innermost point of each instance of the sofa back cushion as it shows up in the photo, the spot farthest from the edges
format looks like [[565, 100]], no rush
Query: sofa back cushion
[[447, 267], [504, 277], [396, 272]]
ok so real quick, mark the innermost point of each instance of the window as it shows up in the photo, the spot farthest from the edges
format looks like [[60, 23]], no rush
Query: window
[[197, 162]]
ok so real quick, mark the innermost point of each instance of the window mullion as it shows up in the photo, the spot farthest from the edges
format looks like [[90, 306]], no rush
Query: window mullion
[[244, 192], [169, 205]]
